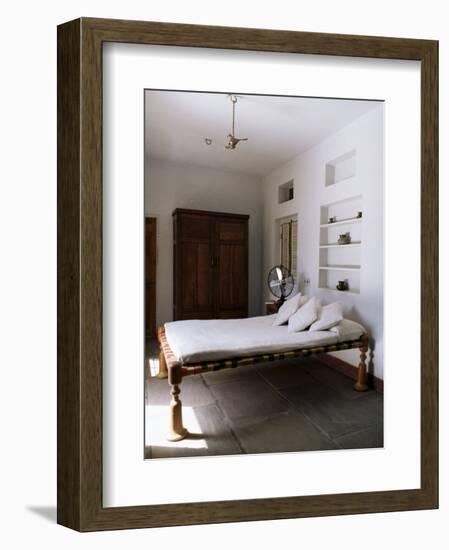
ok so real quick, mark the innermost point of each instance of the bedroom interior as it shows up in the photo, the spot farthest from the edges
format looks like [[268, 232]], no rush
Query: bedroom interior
[[235, 187]]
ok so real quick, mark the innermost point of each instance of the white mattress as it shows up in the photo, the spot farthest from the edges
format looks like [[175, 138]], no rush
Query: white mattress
[[214, 339]]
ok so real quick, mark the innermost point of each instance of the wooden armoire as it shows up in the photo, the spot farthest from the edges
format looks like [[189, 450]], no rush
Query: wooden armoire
[[210, 269]]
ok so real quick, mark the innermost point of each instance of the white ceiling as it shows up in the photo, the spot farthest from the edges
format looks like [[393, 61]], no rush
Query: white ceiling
[[278, 128]]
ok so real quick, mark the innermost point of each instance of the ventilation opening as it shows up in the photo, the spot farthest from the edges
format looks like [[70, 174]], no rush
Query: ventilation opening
[[286, 192]]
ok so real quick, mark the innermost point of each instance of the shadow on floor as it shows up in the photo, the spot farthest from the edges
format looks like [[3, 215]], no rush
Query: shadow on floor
[[46, 512]]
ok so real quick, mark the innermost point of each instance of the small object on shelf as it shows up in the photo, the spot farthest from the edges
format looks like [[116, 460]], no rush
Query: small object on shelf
[[359, 214], [343, 285], [345, 238], [333, 219]]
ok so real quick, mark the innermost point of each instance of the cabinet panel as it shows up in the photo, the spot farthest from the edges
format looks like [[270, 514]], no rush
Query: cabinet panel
[[195, 279], [231, 230], [194, 227], [232, 280]]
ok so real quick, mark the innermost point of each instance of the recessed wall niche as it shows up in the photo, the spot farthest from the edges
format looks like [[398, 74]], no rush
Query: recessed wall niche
[[341, 168], [340, 244], [286, 192]]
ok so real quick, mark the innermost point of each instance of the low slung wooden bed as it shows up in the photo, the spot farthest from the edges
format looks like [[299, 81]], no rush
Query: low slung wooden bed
[[173, 369]]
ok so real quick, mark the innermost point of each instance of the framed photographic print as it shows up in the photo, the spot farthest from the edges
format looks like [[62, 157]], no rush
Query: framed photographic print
[[247, 274]]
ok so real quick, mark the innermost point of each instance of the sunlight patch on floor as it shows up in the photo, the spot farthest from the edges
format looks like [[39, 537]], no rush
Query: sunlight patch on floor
[[156, 428]]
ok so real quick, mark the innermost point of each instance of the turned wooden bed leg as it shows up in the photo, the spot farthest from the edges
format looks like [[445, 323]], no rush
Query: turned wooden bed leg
[[163, 372], [361, 384], [176, 429]]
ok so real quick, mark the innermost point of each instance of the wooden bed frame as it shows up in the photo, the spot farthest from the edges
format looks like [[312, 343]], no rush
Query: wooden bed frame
[[175, 371]]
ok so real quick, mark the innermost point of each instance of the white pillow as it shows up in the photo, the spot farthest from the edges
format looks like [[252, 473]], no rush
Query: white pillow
[[304, 317], [288, 308], [348, 330], [328, 316]]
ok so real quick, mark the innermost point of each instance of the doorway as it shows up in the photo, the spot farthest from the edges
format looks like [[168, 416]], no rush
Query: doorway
[[150, 278], [287, 253]]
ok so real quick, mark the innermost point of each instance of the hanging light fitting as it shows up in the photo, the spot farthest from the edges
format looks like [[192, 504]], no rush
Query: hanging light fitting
[[232, 140]]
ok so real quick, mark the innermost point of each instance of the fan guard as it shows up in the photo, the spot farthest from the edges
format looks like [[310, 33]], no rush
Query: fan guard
[[280, 282]]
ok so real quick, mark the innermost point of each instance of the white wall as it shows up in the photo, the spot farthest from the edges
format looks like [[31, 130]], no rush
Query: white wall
[[308, 171], [169, 186]]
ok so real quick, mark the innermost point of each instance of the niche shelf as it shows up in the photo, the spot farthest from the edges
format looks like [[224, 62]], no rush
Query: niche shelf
[[340, 267], [346, 221], [341, 168], [350, 292], [329, 278], [336, 245], [286, 192], [341, 261]]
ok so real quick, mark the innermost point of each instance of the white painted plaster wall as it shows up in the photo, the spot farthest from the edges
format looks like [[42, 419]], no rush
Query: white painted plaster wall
[[308, 171], [169, 186]]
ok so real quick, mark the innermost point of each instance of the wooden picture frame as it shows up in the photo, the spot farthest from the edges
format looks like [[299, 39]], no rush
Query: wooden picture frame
[[80, 504]]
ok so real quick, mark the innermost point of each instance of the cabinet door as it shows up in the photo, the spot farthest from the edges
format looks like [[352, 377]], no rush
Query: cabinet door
[[194, 298], [231, 236]]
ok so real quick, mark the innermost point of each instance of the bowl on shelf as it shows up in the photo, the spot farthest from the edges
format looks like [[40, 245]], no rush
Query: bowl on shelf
[[343, 285], [345, 238]]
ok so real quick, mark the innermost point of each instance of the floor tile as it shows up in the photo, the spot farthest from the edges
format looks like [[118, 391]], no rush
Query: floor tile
[[332, 413], [250, 396], [332, 378], [285, 374], [284, 432], [365, 439], [228, 375]]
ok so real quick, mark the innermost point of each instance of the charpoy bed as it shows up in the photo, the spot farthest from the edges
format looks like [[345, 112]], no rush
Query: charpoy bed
[[200, 346]]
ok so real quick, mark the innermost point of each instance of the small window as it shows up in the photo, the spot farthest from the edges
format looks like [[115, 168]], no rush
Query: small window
[[286, 192]]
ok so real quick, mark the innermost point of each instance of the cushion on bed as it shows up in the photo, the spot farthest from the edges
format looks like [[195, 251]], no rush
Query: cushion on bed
[[328, 316], [288, 308], [347, 330], [305, 316]]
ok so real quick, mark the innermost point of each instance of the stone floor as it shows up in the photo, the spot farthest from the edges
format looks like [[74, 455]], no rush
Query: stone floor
[[294, 405]]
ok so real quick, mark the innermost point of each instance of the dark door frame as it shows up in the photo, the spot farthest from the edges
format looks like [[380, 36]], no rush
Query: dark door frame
[[150, 331]]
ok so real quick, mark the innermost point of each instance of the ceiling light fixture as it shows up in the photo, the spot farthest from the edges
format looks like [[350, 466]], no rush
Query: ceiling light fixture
[[232, 140]]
